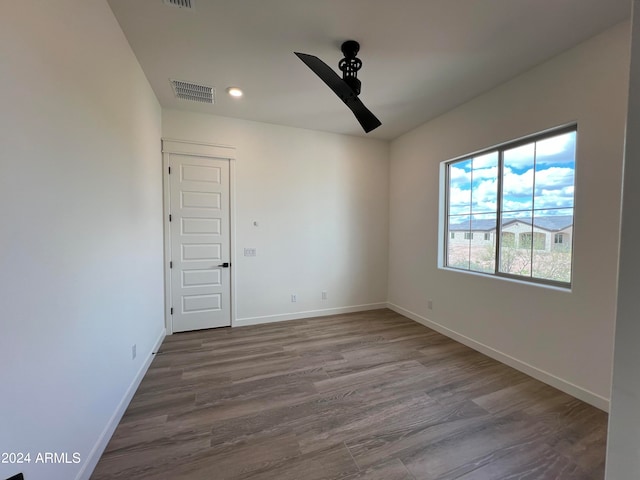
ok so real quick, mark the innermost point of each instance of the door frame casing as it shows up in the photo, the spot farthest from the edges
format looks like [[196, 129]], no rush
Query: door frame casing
[[220, 152]]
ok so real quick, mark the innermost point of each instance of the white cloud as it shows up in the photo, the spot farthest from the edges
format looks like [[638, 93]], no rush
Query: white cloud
[[481, 173], [555, 177], [485, 196], [520, 157], [488, 160], [458, 180], [551, 151], [553, 189], [458, 196], [458, 177], [456, 172], [555, 145], [518, 184]]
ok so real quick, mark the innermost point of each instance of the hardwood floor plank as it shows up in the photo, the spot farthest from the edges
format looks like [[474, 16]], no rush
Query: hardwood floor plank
[[150, 404], [134, 431], [395, 372], [467, 449], [270, 422], [362, 396], [518, 396], [337, 343], [241, 399], [583, 443], [355, 420], [330, 464], [435, 425], [150, 462], [532, 462], [391, 470], [464, 384], [239, 461]]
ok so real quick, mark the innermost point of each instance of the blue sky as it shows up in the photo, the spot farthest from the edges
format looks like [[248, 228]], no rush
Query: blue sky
[[550, 163]]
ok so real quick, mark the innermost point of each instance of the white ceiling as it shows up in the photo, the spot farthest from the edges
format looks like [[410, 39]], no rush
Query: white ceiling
[[420, 58]]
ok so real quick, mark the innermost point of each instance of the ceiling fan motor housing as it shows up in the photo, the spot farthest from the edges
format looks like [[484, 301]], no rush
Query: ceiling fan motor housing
[[350, 65]]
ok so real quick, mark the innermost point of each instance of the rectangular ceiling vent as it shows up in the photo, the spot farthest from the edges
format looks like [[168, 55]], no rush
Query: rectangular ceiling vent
[[193, 91], [188, 4]]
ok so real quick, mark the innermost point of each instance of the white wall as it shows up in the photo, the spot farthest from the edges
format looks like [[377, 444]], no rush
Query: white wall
[[81, 236], [562, 337], [623, 444], [321, 203], [81, 228]]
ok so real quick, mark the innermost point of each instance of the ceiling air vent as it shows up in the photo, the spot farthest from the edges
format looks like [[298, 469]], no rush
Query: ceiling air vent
[[188, 4], [193, 91]]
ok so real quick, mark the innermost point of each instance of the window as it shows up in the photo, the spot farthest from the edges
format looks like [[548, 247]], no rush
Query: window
[[535, 240], [453, 235], [521, 193]]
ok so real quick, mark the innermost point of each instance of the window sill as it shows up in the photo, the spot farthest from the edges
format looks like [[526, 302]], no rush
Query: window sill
[[542, 284]]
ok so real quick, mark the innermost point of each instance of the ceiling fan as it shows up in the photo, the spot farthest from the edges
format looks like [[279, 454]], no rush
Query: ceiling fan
[[348, 87]]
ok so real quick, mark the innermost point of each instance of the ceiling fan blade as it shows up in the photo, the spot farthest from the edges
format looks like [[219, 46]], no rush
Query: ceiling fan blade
[[364, 116], [328, 76], [367, 119]]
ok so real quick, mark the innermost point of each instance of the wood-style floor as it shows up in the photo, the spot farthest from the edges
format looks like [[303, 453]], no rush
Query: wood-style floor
[[366, 396]]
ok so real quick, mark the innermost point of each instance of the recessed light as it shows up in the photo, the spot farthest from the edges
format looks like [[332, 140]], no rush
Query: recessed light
[[234, 91]]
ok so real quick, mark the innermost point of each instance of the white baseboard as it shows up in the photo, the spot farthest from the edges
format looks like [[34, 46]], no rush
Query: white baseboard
[[96, 452], [307, 314], [574, 390]]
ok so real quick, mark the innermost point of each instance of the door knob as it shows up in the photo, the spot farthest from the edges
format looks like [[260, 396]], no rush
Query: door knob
[[225, 265]]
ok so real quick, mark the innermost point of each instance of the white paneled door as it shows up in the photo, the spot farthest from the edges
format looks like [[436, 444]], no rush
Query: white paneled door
[[200, 242]]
